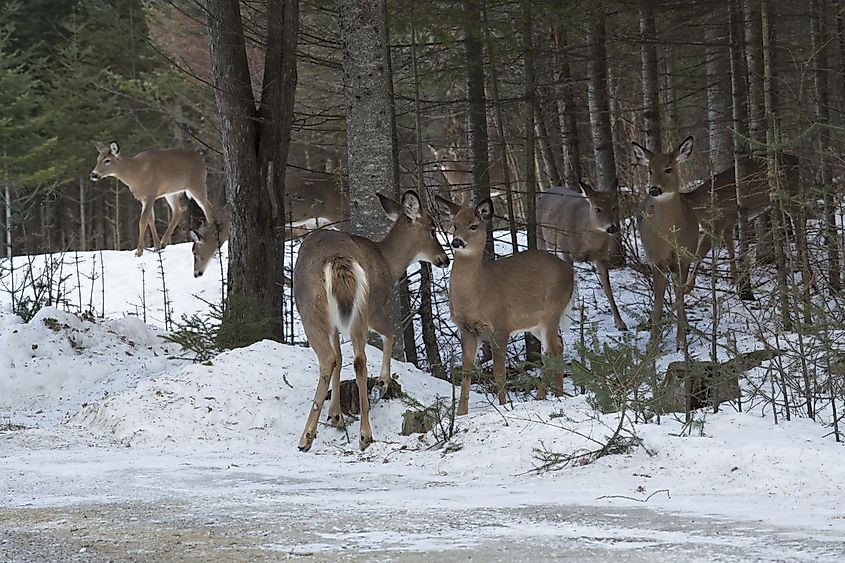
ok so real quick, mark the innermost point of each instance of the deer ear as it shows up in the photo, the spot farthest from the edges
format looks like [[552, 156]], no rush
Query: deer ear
[[390, 206], [685, 150], [100, 146], [444, 204], [411, 205], [114, 148], [485, 209], [586, 188], [196, 236], [642, 155]]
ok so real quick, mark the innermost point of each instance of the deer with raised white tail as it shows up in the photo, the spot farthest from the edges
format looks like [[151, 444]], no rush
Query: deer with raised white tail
[[341, 284], [154, 174], [668, 229], [579, 225], [490, 300]]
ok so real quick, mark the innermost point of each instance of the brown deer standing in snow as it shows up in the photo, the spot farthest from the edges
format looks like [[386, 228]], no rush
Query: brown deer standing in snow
[[490, 300], [312, 200], [717, 205], [580, 225], [668, 229], [341, 284], [154, 174]]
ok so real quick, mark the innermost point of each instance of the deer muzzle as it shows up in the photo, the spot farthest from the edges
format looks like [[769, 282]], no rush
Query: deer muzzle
[[458, 243], [613, 229], [655, 191], [94, 176]]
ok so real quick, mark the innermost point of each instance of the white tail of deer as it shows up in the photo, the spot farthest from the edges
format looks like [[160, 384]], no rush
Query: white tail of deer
[[154, 174], [717, 205], [341, 284], [528, 291], [668, 230], [580, 225]]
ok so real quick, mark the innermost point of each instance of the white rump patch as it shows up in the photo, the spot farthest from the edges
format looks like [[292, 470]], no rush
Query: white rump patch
[[361, 291]]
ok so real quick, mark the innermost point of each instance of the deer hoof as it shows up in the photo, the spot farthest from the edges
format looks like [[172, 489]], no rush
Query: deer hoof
[[139, 252], [337, 420], [365, 442], [306, 441]]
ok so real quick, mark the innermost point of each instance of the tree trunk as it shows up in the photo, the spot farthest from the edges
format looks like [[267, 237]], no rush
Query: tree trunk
[[670, 134], [83, 227], [476, 110], [566, 110], [718, 94], [651, 82], [739, 96], [819, 34], [598, 102], [530, 93], [255, 143]]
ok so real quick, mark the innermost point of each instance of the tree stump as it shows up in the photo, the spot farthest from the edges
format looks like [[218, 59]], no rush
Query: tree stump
[[349, 404]]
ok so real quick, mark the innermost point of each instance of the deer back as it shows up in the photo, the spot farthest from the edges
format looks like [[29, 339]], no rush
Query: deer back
[[314, 199]]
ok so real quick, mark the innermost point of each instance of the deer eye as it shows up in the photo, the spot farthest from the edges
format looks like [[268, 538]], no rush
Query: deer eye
[[107, 161], [433, 233], [668, 170], [598, 209], [473, 227]]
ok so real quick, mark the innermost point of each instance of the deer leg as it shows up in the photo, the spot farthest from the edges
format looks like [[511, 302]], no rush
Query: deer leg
[[381, 324], [175, 216], [143, 223], [553, 360], [659, 291], [679, 281], [469, 348], [153, 230], [705, 243], [604, 277], [335, 414], [205, 205], [328, 363], [500, 349], [359, 341], [727, 236]]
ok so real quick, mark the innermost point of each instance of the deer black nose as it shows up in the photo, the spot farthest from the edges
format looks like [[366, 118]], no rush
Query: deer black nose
[[458, 243], [612, 230], [94, 176], [654, 191], [197, 274]]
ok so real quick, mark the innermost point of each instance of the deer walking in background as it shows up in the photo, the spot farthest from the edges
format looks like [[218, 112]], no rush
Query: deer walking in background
[[668, 229], [341, 284], [490, 300], [456, 170], [580, 225], [154, 174], [717, 206]]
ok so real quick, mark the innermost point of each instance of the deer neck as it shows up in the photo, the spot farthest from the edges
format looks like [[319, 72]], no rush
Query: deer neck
[[467, 265], [127, 170], [397, 253]]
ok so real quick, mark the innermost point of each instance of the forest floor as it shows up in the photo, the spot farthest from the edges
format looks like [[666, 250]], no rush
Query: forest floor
[[111, 449]]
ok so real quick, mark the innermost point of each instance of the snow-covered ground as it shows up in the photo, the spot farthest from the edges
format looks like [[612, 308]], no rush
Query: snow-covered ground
[[111, 449]]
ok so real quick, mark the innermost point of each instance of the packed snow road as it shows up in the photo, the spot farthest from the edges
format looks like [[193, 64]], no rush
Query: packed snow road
[[114, 504]]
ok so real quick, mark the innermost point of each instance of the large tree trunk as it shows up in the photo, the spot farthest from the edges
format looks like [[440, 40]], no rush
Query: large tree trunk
[[718, 94], [819, 34], [739, 96], [599, 104], [476, 110], [256, 138], [651, 81], [530, 93], [566, 110]]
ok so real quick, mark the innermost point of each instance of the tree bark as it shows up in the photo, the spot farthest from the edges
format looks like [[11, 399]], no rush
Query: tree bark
[[256, 137], [819, 35], [599, 105], [566, 110], [530, 93], [739, 96], [718, 94], [651, 82]]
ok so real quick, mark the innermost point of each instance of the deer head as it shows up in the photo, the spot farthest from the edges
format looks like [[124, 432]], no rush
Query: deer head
[[663, 178], [604, 207], [418, 229], [469, 225], [106, 160], [207, 241]]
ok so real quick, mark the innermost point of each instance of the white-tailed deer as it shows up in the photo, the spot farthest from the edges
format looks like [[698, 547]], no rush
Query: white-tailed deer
[[717, 206], [312, 200], [579, 225], [455, 168], [341, 284], [668, 229], [490, 300], [153, 174]]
